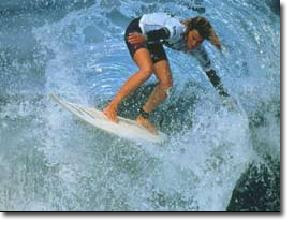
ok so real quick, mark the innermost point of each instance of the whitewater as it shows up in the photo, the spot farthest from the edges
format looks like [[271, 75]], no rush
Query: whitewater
[[214, 159]]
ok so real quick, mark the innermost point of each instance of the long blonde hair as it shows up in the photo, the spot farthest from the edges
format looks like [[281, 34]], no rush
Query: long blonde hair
[[202, 25]]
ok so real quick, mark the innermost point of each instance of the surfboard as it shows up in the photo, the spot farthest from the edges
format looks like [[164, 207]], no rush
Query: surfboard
[[125, 128]]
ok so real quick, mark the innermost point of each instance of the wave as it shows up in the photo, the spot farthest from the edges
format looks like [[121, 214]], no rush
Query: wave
[[78, 51]]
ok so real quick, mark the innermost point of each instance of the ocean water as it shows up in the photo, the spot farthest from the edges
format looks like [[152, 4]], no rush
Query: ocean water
[[214, 160]]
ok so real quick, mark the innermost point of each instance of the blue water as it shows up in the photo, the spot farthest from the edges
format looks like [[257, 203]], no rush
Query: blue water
[[51, 161]]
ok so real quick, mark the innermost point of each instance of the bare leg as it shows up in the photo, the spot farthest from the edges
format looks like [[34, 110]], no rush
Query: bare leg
[[158, 95], [163, 72], [144, 63]]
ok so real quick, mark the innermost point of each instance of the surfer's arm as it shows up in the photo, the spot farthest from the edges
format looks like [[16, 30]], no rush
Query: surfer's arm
[[216, 83], [157, 35], [201, 55], [150, 36]]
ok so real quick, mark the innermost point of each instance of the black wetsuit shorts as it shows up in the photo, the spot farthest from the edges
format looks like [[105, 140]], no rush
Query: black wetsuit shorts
[[156, 49]]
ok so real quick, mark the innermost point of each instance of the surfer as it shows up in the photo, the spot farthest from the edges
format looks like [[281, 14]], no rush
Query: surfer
[[145, 37]]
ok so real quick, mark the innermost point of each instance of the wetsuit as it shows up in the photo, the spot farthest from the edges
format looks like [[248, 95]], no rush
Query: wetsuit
[[162, 29]]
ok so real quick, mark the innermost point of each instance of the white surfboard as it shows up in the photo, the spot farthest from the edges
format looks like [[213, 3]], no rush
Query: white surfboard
[[124, 128]]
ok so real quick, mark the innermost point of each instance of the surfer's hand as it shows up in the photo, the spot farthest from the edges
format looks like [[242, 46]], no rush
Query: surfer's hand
[[136, 38], [230, 103]]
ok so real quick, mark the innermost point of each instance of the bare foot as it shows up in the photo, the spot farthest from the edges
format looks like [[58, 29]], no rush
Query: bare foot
[[146, 124], [110, 112]]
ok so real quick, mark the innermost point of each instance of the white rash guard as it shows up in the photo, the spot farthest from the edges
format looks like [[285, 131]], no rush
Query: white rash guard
[[175, 33]]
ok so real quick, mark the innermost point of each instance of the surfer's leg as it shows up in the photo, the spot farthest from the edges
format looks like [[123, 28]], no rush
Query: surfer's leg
[[163, 72], [158, 95], [144, 63]]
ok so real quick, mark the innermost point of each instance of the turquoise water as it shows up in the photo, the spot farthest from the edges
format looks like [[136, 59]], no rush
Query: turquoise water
[[51, 161]]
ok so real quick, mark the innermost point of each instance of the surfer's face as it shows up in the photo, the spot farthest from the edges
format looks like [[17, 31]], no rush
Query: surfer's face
[[194, 39]]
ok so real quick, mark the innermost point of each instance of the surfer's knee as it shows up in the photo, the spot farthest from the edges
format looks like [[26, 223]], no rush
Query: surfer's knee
[[146, 71]]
